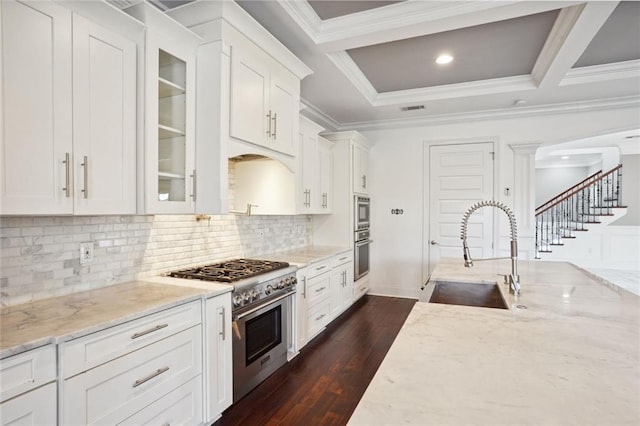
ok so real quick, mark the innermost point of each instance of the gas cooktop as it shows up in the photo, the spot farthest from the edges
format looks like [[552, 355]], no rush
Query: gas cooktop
[[229, 271]]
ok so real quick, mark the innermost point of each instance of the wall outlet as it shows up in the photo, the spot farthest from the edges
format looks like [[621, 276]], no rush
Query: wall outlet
[[86, 253]]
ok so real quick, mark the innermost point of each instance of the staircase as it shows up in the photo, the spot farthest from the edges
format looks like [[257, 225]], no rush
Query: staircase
[[594, 202]]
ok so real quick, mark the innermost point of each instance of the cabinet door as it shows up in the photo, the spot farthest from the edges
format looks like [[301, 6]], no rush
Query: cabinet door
[[250, 119], [325, 177], [360, 169], [284, 96], [219, 358], [301, 310], [170, 155], [37, 407], [104, 120], [308, 190], [35, 109]]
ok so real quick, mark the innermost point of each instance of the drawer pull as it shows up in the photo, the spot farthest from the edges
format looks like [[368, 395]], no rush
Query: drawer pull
[[320, 268], [344, 258], [320, 317], [158, 372], [320, 289], [151, 330]]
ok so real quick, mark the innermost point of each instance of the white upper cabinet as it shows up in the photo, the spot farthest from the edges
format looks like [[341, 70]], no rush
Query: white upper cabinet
[[264, 100], [360, 168], [104, 120], [315, 170], [170, 177], [68, 113]]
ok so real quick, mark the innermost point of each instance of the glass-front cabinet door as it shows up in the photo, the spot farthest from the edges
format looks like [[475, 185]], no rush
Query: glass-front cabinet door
[[169, 113], [172, 168]]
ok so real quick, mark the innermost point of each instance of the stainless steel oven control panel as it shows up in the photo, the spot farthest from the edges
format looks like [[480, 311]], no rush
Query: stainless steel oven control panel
[[268, 289]]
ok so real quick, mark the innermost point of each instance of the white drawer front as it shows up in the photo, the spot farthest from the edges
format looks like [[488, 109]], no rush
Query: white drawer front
[[116, 390], [37, 407], [90, 351], [318, 317], [318, 288], [316, 269], [341, 259], [181, 406], [29, 370]]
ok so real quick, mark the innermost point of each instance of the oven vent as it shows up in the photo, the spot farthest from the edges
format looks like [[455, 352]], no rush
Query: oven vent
[[412, 108]]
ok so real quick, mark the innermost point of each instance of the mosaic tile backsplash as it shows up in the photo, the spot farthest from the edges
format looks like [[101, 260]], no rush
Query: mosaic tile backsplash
[[40, 256]]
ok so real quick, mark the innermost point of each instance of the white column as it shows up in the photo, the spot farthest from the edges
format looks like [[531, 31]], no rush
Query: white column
[[524, 191]]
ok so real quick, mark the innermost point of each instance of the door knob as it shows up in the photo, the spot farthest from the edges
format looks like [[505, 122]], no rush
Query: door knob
[[434, 243]]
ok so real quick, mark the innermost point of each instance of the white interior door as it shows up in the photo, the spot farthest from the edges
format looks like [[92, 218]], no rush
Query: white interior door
[[459, 175]]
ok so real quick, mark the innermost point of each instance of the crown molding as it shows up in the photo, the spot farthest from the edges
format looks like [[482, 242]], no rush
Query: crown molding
[[495, 114], [311, 112], [348, 67], [517, 83], [605, 72]]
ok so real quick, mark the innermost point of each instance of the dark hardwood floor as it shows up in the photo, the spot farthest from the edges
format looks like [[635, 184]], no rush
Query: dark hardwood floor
[[324, 383]]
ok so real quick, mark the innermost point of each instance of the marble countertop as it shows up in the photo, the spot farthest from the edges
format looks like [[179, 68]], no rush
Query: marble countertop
[[58, 319], [307, 255], [566, 352]]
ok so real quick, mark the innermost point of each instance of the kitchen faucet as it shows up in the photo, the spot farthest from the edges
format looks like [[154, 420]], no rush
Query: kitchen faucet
[[513, 279]]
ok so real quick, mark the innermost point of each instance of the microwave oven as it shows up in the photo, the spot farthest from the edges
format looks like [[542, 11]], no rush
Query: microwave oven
[[362, 212]]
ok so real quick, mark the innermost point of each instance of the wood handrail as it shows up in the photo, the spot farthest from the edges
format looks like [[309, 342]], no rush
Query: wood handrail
[[573, 191], [567, 190]]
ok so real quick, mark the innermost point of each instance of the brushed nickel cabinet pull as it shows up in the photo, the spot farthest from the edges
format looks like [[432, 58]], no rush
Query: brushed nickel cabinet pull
[[158, 372], [223, 331], [320, 317], [320, 268], [304, 287], [320, 289], [85, 164], [275, 125], [151, 330], [67, 176], [364, 181], [194, 184]]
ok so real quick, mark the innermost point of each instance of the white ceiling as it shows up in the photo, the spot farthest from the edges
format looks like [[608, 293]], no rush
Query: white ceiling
[[369, 64], [511, 58]]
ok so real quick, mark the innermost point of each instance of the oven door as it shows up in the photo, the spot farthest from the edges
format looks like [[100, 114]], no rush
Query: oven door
[[361, 257], [361, 213], [261, 338]]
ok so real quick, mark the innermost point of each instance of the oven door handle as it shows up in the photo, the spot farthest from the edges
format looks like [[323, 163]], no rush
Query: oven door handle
[[257, 308], [363, 243]]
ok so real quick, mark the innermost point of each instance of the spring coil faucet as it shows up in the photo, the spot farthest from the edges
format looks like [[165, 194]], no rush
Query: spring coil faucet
[[513, 278]]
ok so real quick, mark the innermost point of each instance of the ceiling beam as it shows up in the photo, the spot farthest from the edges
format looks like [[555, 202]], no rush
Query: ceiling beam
[[406, 20], [571, 34]]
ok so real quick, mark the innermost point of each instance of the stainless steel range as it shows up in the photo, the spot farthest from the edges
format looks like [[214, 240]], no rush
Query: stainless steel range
[[262, 315]]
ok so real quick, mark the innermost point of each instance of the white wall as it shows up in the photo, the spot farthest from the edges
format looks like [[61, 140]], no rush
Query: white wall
[[397, 171], [552, 181]]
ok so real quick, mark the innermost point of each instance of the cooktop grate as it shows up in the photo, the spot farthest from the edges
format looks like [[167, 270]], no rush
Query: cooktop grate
[[229, 271]]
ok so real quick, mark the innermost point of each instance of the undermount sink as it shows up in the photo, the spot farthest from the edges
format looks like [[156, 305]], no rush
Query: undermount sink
[[485, 295]]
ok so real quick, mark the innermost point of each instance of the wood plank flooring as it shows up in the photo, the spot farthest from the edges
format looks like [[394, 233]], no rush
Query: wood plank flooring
[[324, 383]]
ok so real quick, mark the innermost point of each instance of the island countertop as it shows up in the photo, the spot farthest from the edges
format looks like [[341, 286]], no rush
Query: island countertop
[[566, 352]]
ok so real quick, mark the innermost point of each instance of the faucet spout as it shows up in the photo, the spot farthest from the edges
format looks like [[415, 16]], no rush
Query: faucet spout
[[514, 279]]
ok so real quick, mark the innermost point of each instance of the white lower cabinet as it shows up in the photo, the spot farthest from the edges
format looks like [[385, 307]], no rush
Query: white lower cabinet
[[341, 284], [181, 406], [28, 394], [37, 407], [132, 383], [325, 290], [218, 358]]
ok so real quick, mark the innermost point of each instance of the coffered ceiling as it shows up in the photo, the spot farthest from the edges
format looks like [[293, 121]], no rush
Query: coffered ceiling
[[373, 59]]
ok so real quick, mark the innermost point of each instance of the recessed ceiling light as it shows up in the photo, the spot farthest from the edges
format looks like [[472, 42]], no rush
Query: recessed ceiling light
[[443, 59], [565, 157]]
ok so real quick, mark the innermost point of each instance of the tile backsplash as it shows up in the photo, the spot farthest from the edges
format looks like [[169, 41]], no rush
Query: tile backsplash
[[40, 256]]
